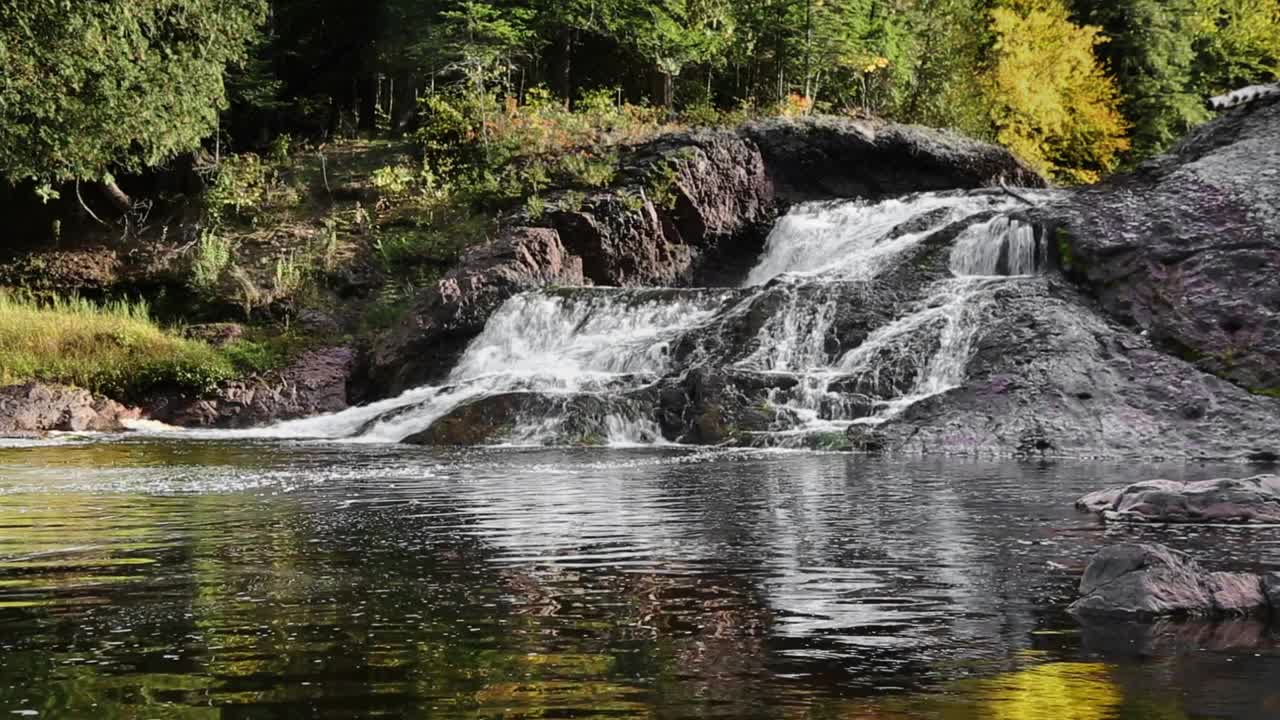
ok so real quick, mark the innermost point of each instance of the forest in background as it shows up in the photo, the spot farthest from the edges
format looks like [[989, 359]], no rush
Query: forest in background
[[1077, 87]]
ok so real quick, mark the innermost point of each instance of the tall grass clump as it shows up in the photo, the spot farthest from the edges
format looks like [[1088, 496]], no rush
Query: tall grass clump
[[116, 349]]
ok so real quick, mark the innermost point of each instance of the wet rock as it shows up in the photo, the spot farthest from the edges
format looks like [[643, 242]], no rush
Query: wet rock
[[717, 406], [865, 439], [313, 384], [1049, 376], [1226, 500], [1148, 580], [450, 314], [569, 419], [35, 408], [1185, 248]]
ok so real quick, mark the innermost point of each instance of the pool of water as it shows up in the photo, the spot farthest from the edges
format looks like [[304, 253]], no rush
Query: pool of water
[[143, 579]]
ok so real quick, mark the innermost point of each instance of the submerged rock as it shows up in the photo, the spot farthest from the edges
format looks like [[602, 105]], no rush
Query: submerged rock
[[39, 408], [1149, 580], [1249, 500], [520, 417]]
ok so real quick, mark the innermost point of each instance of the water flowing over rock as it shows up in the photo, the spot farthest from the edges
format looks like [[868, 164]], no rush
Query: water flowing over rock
[[955, 322], [687, 209], [36, 408], [1148, 580], [455, 310], [1226, 500]]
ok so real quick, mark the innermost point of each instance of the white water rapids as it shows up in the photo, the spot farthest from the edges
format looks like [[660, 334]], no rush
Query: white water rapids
[[607, 342]]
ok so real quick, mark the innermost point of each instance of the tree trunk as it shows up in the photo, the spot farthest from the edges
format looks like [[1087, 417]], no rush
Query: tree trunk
[[367, 102], [566, 67], [120, 200]]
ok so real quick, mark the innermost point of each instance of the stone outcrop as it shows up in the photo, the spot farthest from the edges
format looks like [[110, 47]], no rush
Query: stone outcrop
[[1185, 248], [445, 318], [35, 408], [1051, 377], [827, 158], [1226, 500], [1141, 580], [313, 384]]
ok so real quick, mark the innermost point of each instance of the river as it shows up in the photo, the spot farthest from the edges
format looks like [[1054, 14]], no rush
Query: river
[[154, 578]]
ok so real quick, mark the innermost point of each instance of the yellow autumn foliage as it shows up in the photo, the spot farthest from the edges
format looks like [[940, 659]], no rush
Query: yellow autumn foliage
[[1051, 101]]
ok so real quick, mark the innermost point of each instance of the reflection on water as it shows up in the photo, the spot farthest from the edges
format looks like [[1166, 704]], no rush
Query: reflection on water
[[267, 580]]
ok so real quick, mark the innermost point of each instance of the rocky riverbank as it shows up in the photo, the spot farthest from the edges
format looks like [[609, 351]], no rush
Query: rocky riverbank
[[1132, 318]]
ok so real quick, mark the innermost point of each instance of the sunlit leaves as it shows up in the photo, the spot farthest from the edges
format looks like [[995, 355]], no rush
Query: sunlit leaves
[[1051, 101]]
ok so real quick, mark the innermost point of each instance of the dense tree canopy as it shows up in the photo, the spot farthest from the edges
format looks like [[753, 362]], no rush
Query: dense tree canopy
[[94, 88], [88, 87]]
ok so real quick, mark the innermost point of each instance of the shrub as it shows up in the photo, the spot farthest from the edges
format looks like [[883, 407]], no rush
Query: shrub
[[213, 254], [239, 184]]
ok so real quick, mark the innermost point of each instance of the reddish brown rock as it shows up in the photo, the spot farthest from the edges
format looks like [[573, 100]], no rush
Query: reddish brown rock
[[314, 384], [1149, 580], [38, 408], [446, 317], [1225, 500]]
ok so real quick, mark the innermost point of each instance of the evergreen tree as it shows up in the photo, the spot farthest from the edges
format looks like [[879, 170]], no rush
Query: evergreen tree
[[88, 88]]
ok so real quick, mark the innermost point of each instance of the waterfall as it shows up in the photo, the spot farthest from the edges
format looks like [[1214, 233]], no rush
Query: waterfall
[[587, 341], [562, 363], [980, 249]]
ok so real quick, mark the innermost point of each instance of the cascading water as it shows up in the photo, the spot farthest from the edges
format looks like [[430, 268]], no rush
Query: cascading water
[[824, 244], [588, 341], [615, 347]]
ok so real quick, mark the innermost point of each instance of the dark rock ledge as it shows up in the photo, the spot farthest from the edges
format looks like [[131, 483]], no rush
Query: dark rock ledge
[[1149, 580]]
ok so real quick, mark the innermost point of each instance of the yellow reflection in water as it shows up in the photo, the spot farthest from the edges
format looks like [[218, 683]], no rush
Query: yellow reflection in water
[[1061, 691], [1047, 691]]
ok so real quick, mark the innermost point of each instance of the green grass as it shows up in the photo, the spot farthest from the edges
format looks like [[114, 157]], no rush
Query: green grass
[[114, 349]]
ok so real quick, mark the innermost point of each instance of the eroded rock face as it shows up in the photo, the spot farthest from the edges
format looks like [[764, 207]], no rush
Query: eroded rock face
[[314, 384], [1226, 500], [35, 408], [450, 314], [1186, 247], [1051, 377], [1141, 580]]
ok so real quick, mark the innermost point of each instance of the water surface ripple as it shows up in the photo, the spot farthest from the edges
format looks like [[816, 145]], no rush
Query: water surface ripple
[[255, 580]]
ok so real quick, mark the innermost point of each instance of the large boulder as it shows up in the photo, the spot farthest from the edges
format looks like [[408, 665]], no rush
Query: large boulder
[[1149, 580], [1185, 248], [34, 408], [1226, 500], [315, 383], [445, 318], [827, 157], [1049, 376]]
